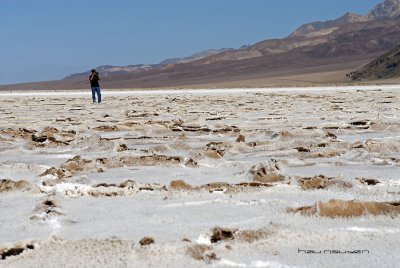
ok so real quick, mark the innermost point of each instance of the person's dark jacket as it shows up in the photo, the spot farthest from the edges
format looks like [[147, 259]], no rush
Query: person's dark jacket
[[94, 80]]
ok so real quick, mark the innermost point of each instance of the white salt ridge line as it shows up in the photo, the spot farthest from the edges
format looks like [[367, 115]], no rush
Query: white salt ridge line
[[389, 183], [257, 264], [48, 177], [195, 203], [62, 155], [203, 240], [70, 189], [55, 225], [53, 222], [255, 219], [234, 202], [120, 134], [199, 91], [369, 230], [70, 150]]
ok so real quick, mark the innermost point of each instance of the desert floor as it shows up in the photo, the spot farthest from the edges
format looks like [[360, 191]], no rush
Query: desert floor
[[216, 178]]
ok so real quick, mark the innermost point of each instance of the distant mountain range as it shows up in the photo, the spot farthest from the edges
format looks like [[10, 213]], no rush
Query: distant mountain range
[[338, 45], [110, 70], [196, 56]]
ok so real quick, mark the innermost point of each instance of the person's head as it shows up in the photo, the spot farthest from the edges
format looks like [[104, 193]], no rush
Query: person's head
[[94, 71]]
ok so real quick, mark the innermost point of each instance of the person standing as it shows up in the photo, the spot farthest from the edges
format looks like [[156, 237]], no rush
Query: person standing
[[94, 83]]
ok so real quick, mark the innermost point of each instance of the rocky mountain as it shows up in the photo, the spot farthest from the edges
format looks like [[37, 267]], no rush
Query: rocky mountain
[[345, 43], [324, 28], [386, 9], [385, 66]]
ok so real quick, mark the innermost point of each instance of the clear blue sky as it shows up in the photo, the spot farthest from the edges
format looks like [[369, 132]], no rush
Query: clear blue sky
[[49, 39]]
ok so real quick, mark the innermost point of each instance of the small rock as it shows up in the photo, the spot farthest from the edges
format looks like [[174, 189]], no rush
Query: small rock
[[221, 234], [122, 147], [331, 135], [357, 145], [39, 139], [368, 181], [302, 149], [241, 138], [145, 241]]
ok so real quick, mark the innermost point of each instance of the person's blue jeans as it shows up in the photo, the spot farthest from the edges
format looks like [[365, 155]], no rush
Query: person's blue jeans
[[96, 90]]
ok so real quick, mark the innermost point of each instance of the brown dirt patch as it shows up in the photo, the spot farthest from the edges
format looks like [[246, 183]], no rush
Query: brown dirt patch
[[198, 252], [71, 167], [269, 173], [241, 138], [180, 185], [321, 182], [106, 128], [215, 154], [347, 209], [7, 185], [251, 236]]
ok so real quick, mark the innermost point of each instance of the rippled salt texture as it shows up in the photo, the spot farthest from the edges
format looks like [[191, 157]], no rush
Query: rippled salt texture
[[155, 137]]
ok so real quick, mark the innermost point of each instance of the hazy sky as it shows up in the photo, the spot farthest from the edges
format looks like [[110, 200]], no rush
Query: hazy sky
[[49, 39]]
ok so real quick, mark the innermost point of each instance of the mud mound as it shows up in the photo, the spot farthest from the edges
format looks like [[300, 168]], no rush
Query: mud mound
[[201, 253], [382, 146], [52, 137], [321, 182], [7, 185], [216, 150], [193, 128], [57, 173], [126, 188], [45, 210], [76, 164], [191, 163], [232, 188], [71, 167], [153, 160], [227, 234], [267, 173], [180, 185], [347, 209], [251, 236], [147, 160], [214, 154], [20, 133], [252, 184], [106, 128], [65, 137], [241, 138]]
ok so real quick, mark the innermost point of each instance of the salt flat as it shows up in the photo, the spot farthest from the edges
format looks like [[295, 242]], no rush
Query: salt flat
[[278, 171]]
